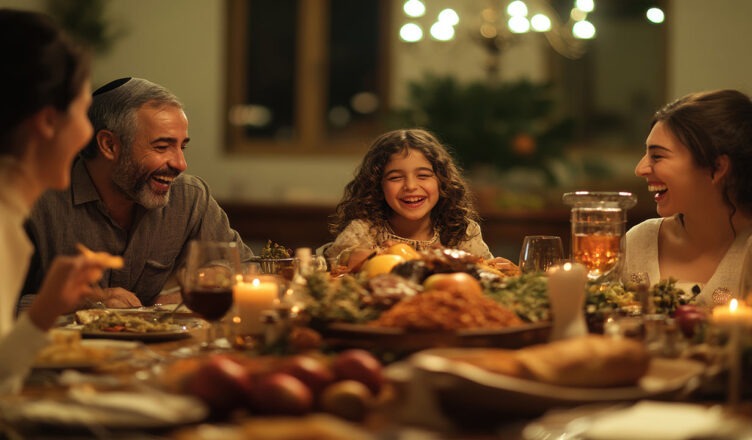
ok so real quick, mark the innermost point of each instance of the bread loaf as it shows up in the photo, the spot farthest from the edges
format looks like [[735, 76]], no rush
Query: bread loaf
[[589, 361]]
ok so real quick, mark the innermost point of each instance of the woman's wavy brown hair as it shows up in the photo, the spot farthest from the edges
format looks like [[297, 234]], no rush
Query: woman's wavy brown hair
[[711, 124], [364, 197]]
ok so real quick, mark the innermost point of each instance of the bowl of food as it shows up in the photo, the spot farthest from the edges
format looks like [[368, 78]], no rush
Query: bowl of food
[[276, 259]]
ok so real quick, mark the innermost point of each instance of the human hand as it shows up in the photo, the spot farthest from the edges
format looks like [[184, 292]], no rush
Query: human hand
[[67, 282], [119, 298]]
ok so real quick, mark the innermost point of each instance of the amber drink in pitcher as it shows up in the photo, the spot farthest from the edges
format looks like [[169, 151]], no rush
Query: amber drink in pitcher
[[598, 226]]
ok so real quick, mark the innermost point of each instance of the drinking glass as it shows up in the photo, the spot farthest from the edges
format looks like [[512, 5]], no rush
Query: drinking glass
[[209, 276], [640, 281], [539, 252]]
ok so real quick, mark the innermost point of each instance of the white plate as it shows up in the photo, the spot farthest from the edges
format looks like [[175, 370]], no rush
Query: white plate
[[461, 387], [84, 408], [118, 348], [645, 420], [185, 325], [184, 332]]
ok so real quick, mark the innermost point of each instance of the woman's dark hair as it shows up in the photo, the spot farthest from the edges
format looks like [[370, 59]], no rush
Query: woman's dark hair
[[711, 124], [41, 67], [364, 197]]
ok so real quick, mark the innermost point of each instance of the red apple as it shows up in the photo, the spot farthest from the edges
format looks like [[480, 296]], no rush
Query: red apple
[[314, 373], [453, 282], [348, 399], [360, 366], [280, 393], [221, 383], [689, 320]]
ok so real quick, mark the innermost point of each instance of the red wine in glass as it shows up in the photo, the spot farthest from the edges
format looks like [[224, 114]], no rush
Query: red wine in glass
[[208, 279], [212, 303]]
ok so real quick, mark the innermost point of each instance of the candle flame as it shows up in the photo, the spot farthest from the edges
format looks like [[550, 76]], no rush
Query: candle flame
[[733, 305], [239, 278], [567, 266], [256, 282]]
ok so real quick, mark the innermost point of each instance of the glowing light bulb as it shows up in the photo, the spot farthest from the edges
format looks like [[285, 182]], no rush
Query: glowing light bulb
[[442, 31], [518, 25], [411, 32], [414, 8], [517, 8], [540, 23], [655, 15], [583, 30], [449, 16], [585, 5]]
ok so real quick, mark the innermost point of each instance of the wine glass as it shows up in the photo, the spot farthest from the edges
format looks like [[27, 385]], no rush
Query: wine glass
[[209, 276], [539, 252]]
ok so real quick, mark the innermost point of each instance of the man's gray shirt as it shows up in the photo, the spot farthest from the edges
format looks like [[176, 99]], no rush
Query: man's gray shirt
[[152, 250]]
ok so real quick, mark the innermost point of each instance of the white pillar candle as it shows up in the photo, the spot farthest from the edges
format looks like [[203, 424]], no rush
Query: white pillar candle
[[735, 313], [252, 298], [735, 317], [566, 293]]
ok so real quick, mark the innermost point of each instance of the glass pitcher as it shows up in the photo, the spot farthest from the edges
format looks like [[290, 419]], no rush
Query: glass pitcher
[[598, 225]]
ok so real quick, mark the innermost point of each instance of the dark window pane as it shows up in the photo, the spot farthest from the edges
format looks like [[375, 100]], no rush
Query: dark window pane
[[354, 40], [270, 84]]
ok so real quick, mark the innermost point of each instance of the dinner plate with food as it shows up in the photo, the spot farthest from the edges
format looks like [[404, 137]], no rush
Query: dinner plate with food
[[488, 383], [67, 351], [135, 324]]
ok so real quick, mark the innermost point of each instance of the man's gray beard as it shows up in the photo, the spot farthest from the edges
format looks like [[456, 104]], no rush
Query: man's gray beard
[[129, 178]]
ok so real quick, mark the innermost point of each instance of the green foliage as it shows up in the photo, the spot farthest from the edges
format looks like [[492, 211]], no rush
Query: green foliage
[[85, 21], [501, 124]]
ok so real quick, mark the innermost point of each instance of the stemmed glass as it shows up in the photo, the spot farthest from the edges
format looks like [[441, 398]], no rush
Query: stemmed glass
[[539, 252], [208, 280]]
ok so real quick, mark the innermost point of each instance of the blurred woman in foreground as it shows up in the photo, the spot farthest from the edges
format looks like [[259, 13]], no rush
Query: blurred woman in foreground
[[44, 97]]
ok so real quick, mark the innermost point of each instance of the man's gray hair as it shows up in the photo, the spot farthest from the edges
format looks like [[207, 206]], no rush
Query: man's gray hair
[[114, 107]]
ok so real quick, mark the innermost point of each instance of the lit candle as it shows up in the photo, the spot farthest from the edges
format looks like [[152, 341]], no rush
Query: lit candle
[[566, 293], [251, 300], [736, 313], [734, 317]]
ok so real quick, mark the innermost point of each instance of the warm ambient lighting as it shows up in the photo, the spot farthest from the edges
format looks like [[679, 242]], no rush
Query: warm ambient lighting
[[449, 16], [540, 23], [517, 8], [414, 8], [655, 15], [442, 31], [585, 5], [503, 21], [411, 33]]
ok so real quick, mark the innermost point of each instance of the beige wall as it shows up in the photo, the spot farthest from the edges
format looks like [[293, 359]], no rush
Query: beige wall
[[180, 44]]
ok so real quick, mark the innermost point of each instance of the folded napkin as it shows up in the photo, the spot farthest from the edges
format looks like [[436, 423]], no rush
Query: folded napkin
[[84, 407], [661, 420]]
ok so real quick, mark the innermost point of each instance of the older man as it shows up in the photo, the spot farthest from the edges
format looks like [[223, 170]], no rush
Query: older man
[[130, 197]]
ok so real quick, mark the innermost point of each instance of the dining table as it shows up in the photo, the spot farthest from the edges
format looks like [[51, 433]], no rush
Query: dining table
[[133, 396]]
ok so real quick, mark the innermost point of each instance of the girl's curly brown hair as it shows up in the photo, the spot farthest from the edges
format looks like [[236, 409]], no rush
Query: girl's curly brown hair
[[364, 197]]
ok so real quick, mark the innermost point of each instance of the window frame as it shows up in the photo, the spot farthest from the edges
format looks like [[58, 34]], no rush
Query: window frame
[[311, 88]]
